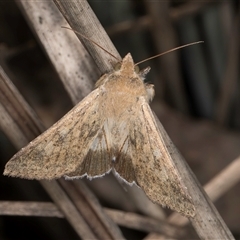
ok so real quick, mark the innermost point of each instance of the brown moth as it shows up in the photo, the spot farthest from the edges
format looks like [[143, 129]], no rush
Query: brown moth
[[111, 129]]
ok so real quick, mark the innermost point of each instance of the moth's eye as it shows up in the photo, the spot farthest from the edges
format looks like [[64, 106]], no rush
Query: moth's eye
[[136, 69], [117, 66]]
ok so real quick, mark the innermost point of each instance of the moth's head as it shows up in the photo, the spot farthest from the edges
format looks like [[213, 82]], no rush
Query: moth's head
[[126, 67]]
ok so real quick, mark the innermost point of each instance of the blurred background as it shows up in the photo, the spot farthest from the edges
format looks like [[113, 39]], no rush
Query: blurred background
[[197, 94]]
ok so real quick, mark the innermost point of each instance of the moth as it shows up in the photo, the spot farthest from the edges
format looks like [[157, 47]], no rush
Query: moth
[[111, 129]]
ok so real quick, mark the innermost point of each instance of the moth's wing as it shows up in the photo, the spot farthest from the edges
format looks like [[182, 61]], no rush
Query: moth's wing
[[123, 166], [154, 169], [62, 148], [98, 160], [109, 146]]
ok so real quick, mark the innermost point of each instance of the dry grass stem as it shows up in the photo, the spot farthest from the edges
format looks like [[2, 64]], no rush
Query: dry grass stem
[[230, 78], [125, 219]]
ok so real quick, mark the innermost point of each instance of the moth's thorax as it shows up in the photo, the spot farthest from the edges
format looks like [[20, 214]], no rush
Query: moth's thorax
[[128, 85], [122, 93], [122, 88]]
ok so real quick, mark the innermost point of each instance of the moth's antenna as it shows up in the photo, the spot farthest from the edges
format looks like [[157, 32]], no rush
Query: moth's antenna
[[92, 42], [174, 49]]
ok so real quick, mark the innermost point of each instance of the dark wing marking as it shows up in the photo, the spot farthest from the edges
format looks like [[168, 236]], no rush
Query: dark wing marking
[[98, 160], [123, 162]]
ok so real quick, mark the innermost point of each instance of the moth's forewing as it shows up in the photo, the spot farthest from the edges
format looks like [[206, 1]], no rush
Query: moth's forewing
[[63, 147], [154, 169]]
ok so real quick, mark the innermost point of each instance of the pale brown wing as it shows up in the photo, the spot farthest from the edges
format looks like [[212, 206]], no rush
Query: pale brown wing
[[154, 170], [63, 147]]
